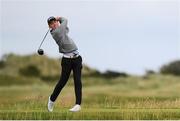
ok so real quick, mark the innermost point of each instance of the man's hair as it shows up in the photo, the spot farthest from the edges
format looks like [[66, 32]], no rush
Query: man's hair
[[51, 19]]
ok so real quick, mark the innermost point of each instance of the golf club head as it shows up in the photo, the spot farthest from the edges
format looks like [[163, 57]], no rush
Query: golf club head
[[40, 51]]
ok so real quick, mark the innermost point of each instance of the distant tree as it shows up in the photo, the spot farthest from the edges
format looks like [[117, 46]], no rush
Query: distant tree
[[110, 74], [171, 68], [149, 72]]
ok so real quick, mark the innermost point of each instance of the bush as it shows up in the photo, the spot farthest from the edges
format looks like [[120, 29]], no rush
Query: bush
[[2, 64], [150, 72], [30, 71], [171, 68], [112, 74]]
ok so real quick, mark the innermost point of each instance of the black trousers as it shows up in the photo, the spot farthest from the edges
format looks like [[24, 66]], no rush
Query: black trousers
[[68, 64]]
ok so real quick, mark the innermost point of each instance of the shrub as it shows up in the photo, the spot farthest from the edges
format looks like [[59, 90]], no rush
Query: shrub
[[111, 74], [171, 68], [30, 70], [2, 64]]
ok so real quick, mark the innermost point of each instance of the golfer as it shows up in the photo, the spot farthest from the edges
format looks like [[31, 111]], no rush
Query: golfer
[[71, 60]]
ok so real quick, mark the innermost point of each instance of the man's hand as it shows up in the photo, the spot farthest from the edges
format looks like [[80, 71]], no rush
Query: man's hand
[[58, 18]]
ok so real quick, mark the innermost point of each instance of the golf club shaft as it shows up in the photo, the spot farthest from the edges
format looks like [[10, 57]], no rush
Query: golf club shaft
[[44, 38]]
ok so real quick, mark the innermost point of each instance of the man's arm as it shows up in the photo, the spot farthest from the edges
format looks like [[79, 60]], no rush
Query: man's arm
[[63, 21]]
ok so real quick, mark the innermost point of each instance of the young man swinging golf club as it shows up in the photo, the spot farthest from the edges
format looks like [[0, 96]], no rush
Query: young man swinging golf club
[[71, 60]]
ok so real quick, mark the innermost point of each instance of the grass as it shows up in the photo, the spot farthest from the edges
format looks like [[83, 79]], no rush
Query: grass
[[95, 114], [27, 81], [125, 99]]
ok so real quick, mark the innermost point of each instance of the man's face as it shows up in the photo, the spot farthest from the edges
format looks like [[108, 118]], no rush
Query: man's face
[[54, 24]]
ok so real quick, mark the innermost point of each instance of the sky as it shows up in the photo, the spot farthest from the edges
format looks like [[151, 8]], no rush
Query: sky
[[123, 35]]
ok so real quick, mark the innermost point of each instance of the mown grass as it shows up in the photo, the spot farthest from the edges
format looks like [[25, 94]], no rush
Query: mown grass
[[155, 97], [95, 114]]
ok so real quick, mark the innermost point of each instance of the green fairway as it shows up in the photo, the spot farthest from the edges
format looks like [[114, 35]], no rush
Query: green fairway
[[102, 101], [94, 114]]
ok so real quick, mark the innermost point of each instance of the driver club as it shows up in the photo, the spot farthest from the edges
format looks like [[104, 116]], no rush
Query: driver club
[[41, 51]]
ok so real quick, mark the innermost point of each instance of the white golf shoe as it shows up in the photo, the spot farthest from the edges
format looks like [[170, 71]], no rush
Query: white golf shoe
[[50, 105], [76, 108]]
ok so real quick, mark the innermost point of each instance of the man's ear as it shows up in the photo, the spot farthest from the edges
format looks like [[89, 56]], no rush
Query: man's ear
[[49, 27]]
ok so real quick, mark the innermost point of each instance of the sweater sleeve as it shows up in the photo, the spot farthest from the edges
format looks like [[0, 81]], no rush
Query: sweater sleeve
[[63, 22]]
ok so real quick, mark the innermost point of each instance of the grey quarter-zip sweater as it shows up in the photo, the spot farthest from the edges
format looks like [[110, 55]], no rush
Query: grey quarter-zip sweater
[[60, 35]]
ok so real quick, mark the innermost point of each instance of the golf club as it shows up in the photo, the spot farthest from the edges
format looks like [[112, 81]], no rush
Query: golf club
[[40, 51]]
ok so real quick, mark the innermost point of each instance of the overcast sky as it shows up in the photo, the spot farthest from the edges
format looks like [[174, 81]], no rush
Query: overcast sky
[[123, 35]]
